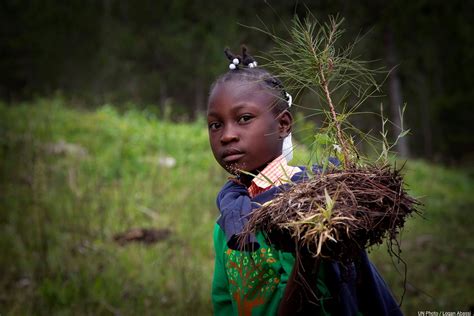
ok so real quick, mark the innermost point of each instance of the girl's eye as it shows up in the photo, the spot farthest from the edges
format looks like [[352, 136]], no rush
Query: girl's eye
[[245, 118], [214, 126]]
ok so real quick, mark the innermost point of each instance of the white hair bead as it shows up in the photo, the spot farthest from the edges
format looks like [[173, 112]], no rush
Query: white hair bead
[[251, 65], [235, 61], [232, 67], [255, 63]]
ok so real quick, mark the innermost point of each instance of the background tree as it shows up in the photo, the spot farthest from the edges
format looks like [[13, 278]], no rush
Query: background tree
[[168, 53]]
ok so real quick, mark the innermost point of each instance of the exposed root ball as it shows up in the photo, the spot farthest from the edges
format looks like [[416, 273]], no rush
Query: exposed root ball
[[337, 214]]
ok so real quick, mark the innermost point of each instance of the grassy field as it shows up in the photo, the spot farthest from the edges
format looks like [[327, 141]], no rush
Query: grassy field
[[71, 179]]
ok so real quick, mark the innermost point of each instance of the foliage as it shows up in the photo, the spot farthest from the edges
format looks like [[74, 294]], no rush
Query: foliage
[[169, 52], [312, 59], [61, 205]]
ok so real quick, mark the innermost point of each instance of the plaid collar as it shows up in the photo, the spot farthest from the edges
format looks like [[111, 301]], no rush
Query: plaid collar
[[275, 173]]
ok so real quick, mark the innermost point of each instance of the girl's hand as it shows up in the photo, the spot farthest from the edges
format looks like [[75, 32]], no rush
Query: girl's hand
[[282, 240]]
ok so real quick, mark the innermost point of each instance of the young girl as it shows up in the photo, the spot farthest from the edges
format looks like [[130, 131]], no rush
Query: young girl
[[249, 119]]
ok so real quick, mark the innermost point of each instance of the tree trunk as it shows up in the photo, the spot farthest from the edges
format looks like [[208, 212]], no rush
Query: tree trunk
[[199, 97], [163, 97], [423, 97], [395, 91]]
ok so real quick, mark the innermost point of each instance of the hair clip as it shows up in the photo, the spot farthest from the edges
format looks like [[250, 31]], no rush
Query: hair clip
[[289, 99]]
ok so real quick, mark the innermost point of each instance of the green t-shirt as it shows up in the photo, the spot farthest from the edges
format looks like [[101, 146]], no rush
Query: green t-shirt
[[250, 283]]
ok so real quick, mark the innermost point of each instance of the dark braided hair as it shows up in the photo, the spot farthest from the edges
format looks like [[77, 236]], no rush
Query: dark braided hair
[[245, 71]]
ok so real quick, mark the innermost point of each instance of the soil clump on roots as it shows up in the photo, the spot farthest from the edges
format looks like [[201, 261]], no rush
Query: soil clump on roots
[[336, 214]]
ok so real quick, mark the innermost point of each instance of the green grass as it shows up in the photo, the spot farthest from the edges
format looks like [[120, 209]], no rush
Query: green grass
[[60, 211], [71, 179]]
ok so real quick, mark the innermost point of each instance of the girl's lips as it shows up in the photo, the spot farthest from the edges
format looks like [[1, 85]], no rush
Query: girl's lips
[[233, 157]]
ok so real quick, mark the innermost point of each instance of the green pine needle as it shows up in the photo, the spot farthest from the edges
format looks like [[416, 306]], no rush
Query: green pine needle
[[310, 59]]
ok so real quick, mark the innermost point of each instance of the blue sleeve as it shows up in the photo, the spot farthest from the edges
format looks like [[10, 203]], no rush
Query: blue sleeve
[[359, 288], [375, 297], [235, 207]]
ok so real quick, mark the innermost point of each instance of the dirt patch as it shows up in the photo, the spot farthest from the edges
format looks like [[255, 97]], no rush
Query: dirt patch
[[147, 236]]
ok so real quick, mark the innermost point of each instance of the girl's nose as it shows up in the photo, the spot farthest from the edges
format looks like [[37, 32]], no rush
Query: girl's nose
[[229, 135]]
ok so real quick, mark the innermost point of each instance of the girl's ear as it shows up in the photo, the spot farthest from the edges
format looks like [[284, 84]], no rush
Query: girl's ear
[[285, 122]]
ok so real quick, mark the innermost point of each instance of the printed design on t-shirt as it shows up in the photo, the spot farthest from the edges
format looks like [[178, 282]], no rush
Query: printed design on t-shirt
[[252, 277]]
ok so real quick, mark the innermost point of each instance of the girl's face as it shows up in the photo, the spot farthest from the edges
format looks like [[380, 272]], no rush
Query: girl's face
[[244, 132]]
